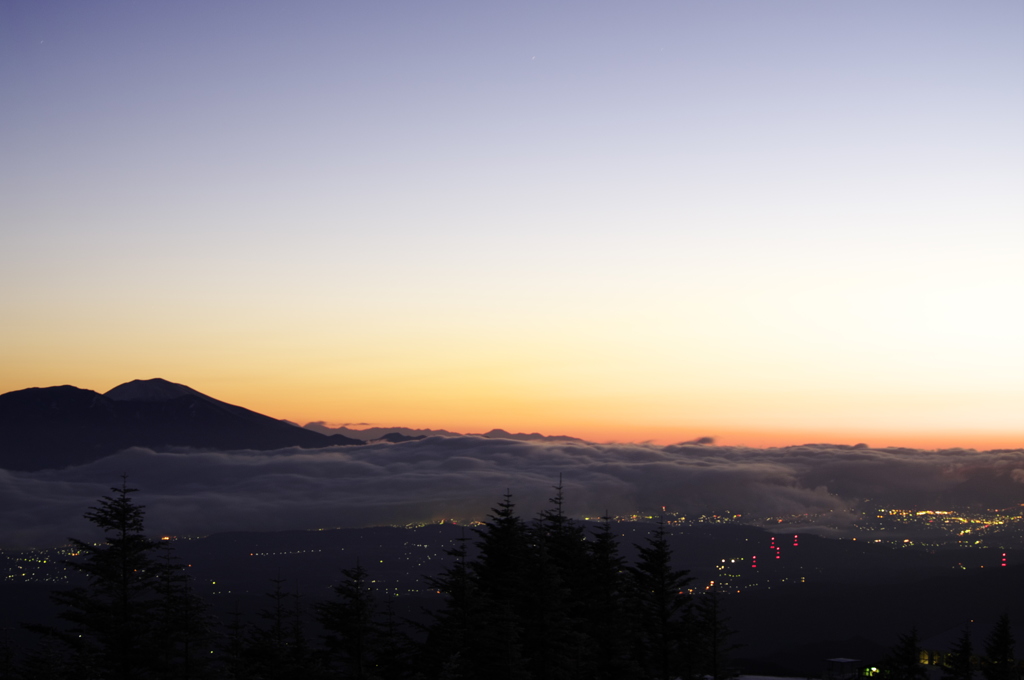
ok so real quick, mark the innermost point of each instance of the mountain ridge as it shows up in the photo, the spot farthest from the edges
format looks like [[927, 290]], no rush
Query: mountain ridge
[[55, 427], [153, 389], [370, 434]]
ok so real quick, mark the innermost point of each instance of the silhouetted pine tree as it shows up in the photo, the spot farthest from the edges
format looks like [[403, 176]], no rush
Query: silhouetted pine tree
[[304, 658], [268, 648], [502, 564], [662, 603], [184, 628], [276, 649], [999, 663], [710, 641], [549, 639], [904, 660], [451, 629], [393, 650], [350, 625], [606, 621], [235, 663], [112, 633], [959, 664], [566, 545], [553, 618], [542, 601], [500, 575]]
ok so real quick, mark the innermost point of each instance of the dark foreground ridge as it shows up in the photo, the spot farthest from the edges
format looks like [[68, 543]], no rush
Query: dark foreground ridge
[[506, 598], [54, 427]]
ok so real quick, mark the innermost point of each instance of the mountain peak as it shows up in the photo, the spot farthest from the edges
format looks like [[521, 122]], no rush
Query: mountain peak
[[156, 389]]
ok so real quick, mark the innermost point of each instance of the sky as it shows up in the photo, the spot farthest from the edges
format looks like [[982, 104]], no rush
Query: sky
[[767, 222]]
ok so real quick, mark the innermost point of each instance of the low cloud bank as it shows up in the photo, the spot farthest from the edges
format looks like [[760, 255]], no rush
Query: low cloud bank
[[460, 477]]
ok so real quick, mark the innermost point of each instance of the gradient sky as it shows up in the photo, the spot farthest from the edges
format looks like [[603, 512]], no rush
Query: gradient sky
[[770, 222]]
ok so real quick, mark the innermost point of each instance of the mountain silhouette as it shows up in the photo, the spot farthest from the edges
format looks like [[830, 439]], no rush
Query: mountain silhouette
[[376, 433], [54, 427], [404, 434], [524, 437]]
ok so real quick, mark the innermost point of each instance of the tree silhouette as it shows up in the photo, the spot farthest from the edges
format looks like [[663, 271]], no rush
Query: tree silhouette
[[904, 660], [500, 574], [711, 638], [534, 601], [277, 650], [350, 625], [542, 601], [958, 664], [183, 627], [451, 628], [392, 649], [554, 606], [113, 633], [663, 604], [504, 553], [607, 619], [998, 663], [236, 661]]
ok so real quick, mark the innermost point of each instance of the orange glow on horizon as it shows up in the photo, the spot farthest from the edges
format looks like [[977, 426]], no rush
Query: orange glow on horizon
[[558, 245], [666, 436], [724, 436], [467, 408]]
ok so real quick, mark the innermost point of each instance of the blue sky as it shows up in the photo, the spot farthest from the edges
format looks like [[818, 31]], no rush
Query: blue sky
[[693, 217]]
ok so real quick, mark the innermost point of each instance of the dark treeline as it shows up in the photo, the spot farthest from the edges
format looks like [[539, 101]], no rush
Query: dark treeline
[[521, 600], [995, 661]]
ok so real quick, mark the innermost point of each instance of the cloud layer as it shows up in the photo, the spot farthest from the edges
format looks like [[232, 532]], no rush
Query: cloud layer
[[462, 477]]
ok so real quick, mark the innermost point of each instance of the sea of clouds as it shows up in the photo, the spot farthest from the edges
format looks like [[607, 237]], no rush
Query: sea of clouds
[[197, 493]]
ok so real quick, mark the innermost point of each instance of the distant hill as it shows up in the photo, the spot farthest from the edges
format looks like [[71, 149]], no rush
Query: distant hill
[[522, 436], [407, 434], [54, 427], [375, 433]]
